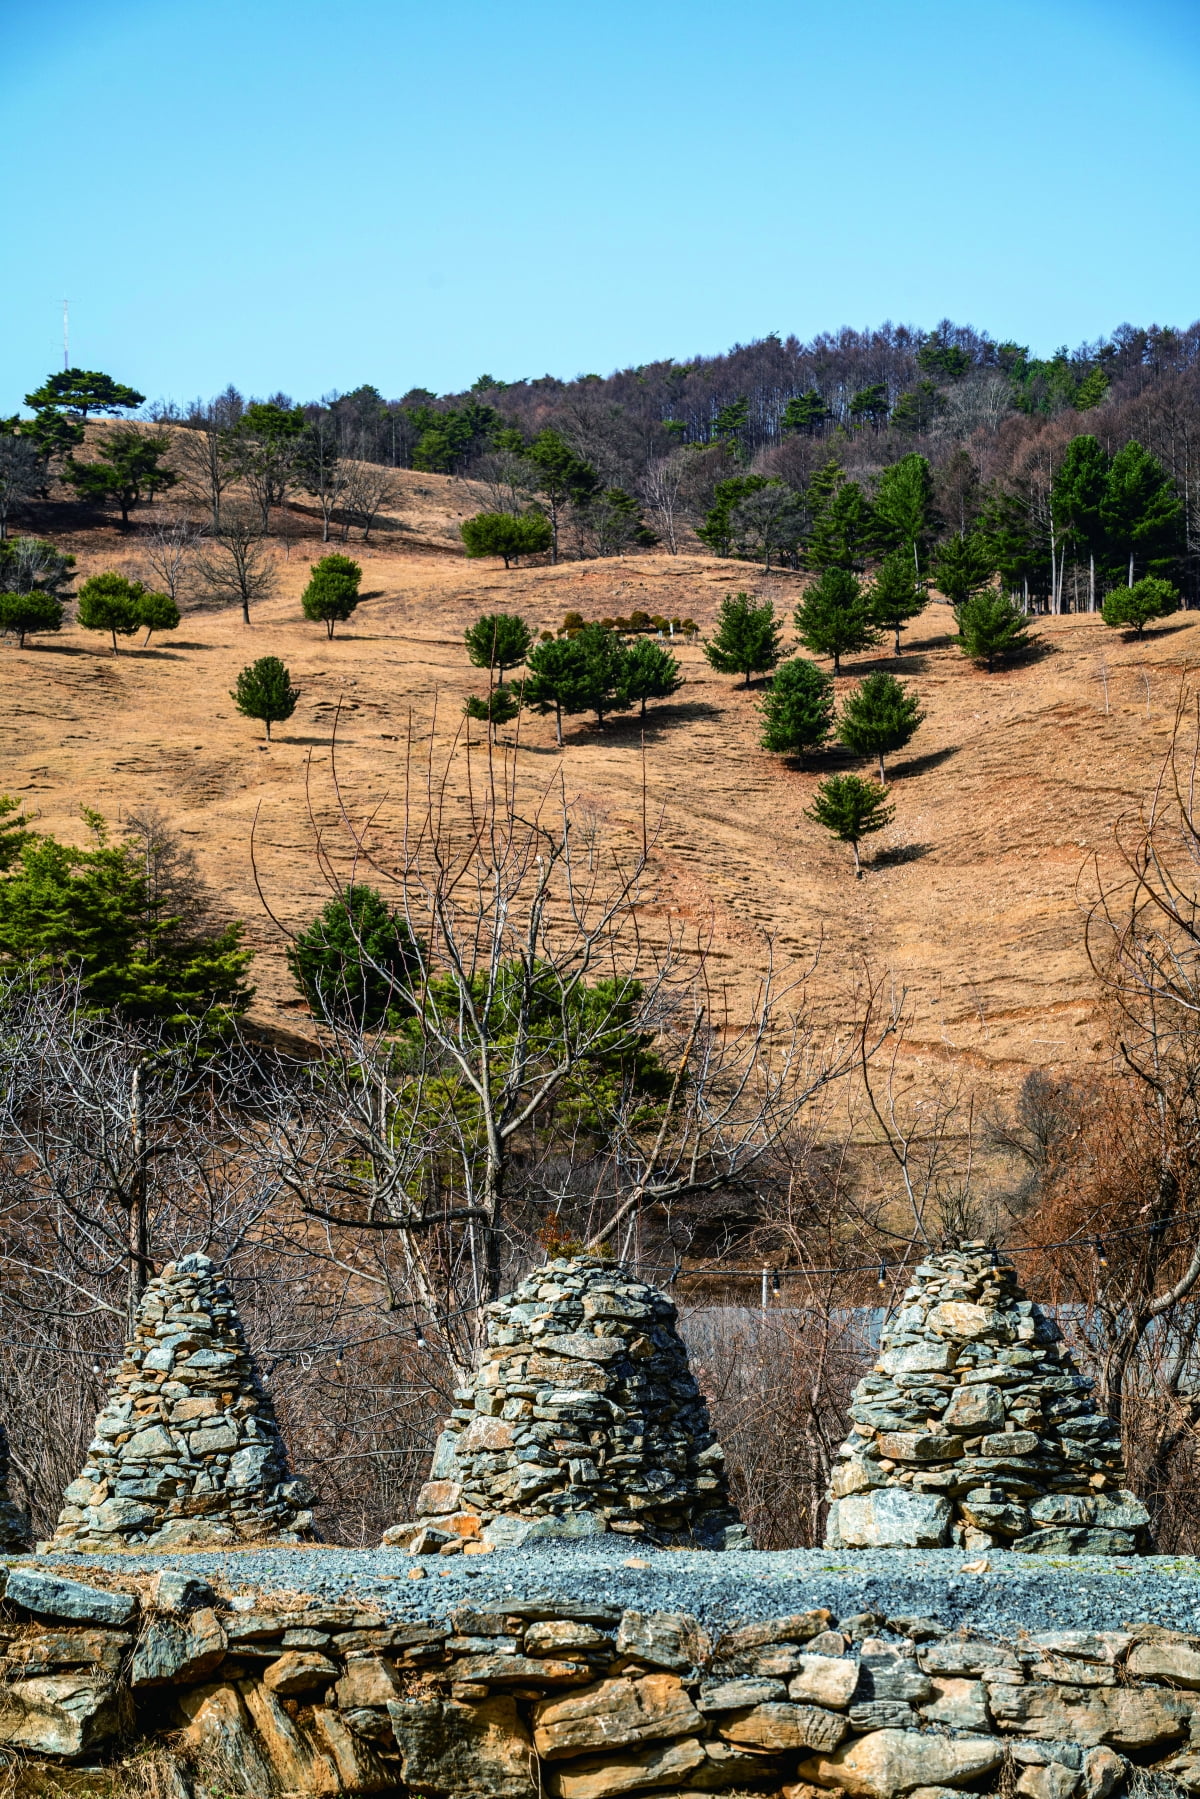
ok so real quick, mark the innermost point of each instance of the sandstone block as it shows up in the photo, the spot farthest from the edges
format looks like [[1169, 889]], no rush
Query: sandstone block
[[59, 1714], [964, 1322], [217, 1732], [663, 1639], [299, 1759], [738, 1693], [785, 1726], [891, 1762], [439, 1496], [1103, 1772], [1125, 1717], [481, 1749], [1050, 1780], [1174, 1659], [299, 1671], [561, 1636], [175, 1651], [612, 1714], [824, 1680], [359, 1768], [367, 1681], [963, 1705], [521, 1670], [665, 1764], [796, 1627]]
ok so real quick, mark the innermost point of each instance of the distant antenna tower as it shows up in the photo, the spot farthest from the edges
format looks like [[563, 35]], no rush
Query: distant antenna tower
[[66, 334]]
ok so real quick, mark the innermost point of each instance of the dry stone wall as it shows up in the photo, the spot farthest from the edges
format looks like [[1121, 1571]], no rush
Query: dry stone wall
[[186, 1449], [975, 1427], [579, 1699], [583, 1417]]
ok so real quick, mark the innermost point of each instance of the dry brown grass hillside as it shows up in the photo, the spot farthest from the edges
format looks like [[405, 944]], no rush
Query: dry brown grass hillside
[[971, 902]]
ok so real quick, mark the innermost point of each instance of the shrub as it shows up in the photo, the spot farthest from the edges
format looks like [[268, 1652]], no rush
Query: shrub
[[990, 625], [1132, 608], [24, 613], [507, 534]]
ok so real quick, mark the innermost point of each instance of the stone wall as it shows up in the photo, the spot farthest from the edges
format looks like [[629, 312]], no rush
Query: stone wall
[[581, 1699]]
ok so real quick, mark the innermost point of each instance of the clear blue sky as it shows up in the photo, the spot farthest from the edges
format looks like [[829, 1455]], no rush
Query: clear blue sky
[[308, 196]]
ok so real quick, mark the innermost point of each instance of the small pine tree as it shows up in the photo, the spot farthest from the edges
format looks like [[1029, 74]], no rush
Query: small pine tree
[[797, 708], [603, 664], [880, 716], [25, 613], [746, 640], [648, 672], [157, 612], [897, 594], [834, 619], [109, 603], [850, 809], [332, 591], [962, 566], [355, 962], [990, 625], [558, 679], [507, 534], [499, 640], [1132, 608], [264, 690], [499, 707]]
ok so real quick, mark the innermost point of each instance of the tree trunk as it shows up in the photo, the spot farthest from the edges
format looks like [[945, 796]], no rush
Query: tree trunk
[[113, 634], [898, 649], [882, 776], [857, 860], [267, 722], [1091, 580], [558, 723], [1129, 583]]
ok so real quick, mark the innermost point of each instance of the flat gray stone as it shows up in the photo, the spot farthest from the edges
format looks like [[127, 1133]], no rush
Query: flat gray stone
[[51, 1596]]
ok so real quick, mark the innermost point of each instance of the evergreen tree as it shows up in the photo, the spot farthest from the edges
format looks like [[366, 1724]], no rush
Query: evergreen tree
[[834, 618], [870, 405], [77, 392], [24, 613], [128, 465], [805, 412], [499, 640], [850, 809], [916, 410], [1077, 501], [989, 625], [797, 708], [355, 963], [109, 603], [14, 830], [603, 661], [881, 715], [717, 530], [264, 690], [557, 680], [332, 591], [563, 478], [1142, 513], [156, 612], [95, 913], [896, 595], [1130, 608], [903, 506], [507, 534], [962, 566], [497, 707], [746, 640], [841, 530], [648, 672], [616, 520]]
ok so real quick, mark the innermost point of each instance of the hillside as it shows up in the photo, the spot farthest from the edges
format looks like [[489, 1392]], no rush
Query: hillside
[[971, 905]]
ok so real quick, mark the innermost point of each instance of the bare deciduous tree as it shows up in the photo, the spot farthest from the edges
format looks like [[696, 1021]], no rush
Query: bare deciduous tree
[[369, 487], [235, 565], [169, 549], [663, 489], [21, 475]]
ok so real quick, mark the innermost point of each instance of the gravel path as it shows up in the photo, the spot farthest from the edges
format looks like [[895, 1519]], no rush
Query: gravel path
[[1016, 1592]]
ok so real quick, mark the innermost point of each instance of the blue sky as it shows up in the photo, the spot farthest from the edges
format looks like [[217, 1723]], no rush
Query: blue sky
[[307, 196]]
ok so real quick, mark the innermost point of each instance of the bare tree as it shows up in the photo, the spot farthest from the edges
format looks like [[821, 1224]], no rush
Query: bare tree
[[509, 481], [21, 475], [169, 549], [205, 453], [663, 489], [321, 471], [235, 564], [369, 487]]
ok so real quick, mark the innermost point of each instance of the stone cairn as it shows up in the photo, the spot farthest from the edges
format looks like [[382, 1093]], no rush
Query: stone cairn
[[976, 1428], [583, 1417], [187, 1451]]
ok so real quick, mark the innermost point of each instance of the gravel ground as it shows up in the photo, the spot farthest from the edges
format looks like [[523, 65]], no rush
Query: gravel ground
[[1015, 1592]]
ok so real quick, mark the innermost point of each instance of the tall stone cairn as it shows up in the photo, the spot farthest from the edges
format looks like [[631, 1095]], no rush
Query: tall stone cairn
[[14, 1520], [187, 1451], [976, 1428], [583, 1417]]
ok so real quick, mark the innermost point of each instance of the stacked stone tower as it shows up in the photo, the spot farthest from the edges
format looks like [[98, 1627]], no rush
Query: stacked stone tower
[[187, 1451], [583, 1417], [976, 1428]]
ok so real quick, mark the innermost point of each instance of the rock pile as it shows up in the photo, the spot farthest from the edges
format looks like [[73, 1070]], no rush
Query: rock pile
[[975, 1427], [583, 1417], [14, 1521], [186, 1450]]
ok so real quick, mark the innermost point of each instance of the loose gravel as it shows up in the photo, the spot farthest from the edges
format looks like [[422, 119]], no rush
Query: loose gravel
[[1013, 1593]]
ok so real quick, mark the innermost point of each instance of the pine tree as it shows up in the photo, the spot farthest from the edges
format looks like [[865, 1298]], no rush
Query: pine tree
[[962, 566], [897, 594], [157, 612], [834, 618], [805, 412], [841, 529], [603, 660], [850, 809], [989, 625], [880, 716], [903, 506], [797, 708], [498, 707], [1141, 510], [648, 672], [557, 680], [355, 962], [128, 465], [25, 613], [109, 602], [1077, 502], [499, 640], [264, 690], [746, 640], [507, 534], [1130, 608], [332, 591]]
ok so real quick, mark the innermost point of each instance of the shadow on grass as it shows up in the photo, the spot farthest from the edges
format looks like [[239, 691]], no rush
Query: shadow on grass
[[899, 854], [921, 765]]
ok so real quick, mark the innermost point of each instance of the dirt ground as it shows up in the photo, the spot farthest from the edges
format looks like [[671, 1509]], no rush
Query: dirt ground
[[972, 899]]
